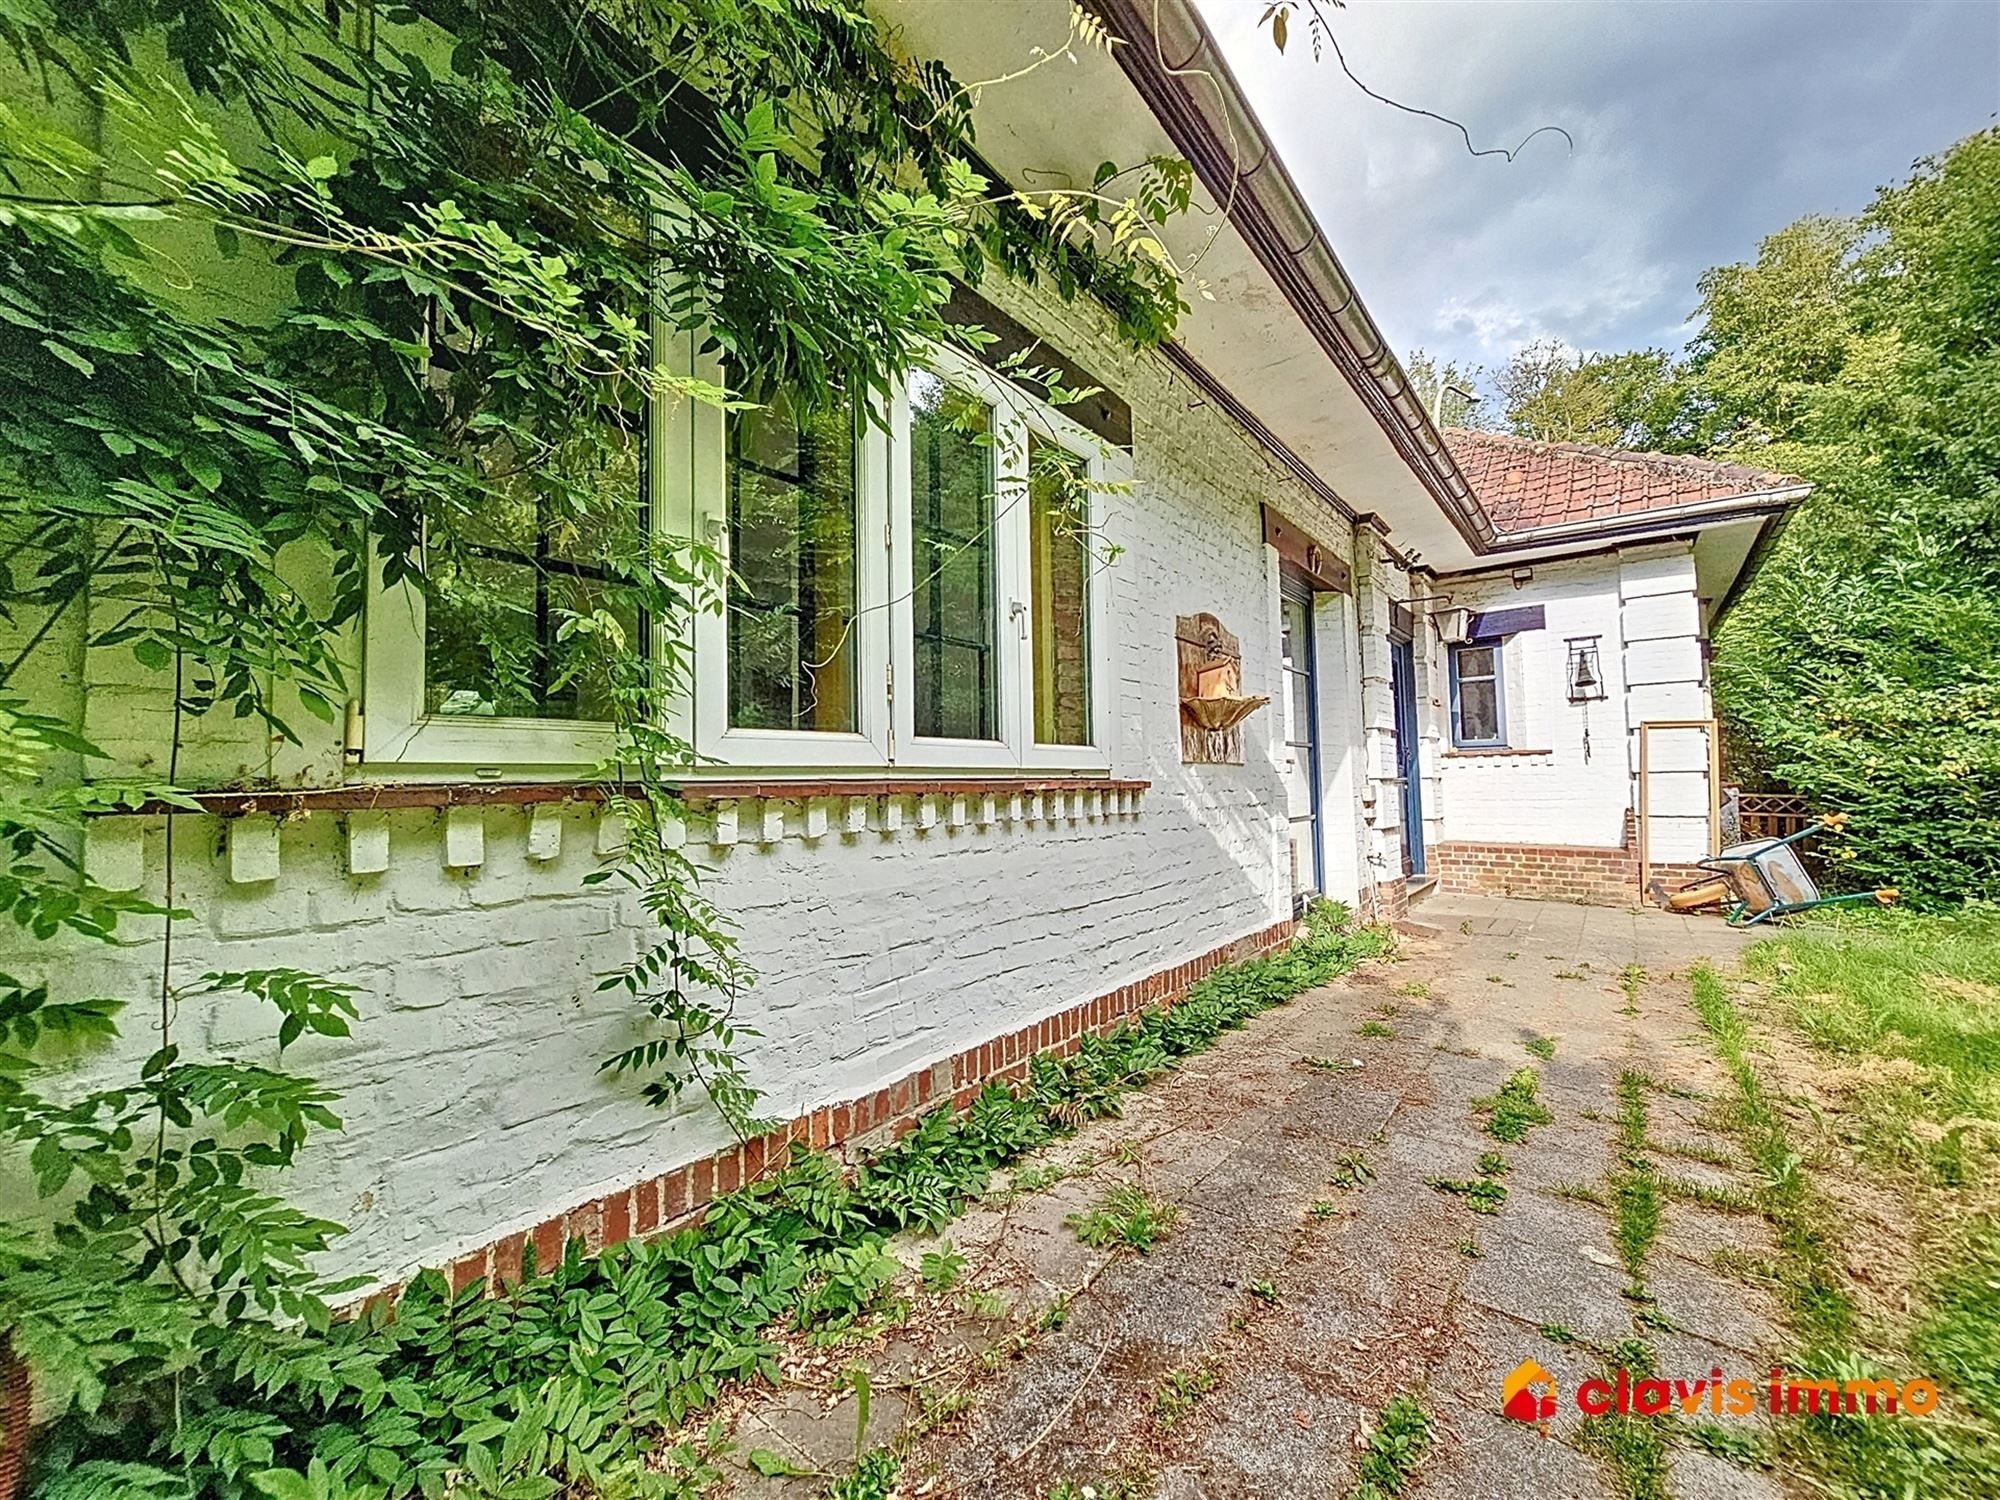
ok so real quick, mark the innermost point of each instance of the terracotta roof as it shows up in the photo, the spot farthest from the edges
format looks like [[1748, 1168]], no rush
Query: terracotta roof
[[1521, 483]]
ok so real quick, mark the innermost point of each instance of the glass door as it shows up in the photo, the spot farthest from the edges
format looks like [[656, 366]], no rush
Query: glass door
[[1301, 719]]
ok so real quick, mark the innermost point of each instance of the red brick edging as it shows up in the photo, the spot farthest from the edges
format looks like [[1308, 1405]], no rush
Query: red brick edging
[[1595, 875], [679, 1197]]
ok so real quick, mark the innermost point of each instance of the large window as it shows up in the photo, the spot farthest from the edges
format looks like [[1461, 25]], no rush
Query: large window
[[1476, 706], [793, 591], [916, 581], [952, 610]]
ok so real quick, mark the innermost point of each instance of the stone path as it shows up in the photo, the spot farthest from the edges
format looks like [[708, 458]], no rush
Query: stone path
[[1313, 1273]]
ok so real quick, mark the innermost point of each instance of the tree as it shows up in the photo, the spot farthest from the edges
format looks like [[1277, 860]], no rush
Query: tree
[[1774, 331], [1860, 659], [1441, 388], [1636, 400]]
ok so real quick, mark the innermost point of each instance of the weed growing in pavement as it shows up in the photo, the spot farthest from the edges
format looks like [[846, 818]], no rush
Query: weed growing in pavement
[[1327, 1064], [1403, 1434], [1414, 989], [1470, 1250], [1264, 1291], [1714, 1156], [1492, 1164], [1569, 973], [1126, 1153], [1633, 1447], [1376, 1028], [873, 1477], [1512, 1111], [1351, 1170], [1324, 1210], [1481, 1194], [1183, 1389], [1557, 1333], [1721, 1199], [1543, 1047], [979, 1302], [940, 1269], [1731, 1443], [1630, 982], [1501, 980], [1577, 1192], [1635, 1186], [1126, 1215]]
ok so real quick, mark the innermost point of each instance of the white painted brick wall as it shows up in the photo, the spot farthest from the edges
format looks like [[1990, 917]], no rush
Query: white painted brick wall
[[1641, 604], [470, 1092]]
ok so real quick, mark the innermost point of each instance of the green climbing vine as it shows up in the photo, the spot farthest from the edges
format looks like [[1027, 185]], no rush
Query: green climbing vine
[[302, 301]]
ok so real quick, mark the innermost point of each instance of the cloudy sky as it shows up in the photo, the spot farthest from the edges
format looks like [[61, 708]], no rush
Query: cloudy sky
[[1699, 128]]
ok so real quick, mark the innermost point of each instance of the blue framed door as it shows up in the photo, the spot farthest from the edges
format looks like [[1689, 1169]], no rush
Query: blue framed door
[[1409, 770], [1301, 722]]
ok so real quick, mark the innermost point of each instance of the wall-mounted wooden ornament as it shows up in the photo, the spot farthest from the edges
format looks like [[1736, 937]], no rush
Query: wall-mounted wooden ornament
[[1213, 704]]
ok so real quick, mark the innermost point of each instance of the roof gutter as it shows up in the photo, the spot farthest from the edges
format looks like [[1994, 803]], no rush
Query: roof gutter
[[1707, 512], [1172, 60]]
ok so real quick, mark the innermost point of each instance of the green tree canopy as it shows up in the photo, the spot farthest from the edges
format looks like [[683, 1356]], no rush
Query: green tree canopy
[[1862, 659]]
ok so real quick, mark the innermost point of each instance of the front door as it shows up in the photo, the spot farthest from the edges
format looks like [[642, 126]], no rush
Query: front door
[[1301, 711], [1409, 771]]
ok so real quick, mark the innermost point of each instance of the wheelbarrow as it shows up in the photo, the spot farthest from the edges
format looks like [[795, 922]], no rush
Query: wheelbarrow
[[1765, 878]]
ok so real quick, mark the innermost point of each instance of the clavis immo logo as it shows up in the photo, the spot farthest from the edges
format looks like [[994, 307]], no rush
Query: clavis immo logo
[[1529, 1394]]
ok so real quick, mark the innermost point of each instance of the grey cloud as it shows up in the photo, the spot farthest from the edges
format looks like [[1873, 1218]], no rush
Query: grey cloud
[[1699, 128]]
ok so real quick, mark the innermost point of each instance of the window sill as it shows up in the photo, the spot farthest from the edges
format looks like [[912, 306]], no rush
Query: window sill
[[1471, 752], [386, 796]]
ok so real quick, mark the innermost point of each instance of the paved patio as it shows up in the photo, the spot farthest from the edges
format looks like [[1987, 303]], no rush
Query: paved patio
[[1313, 1272]]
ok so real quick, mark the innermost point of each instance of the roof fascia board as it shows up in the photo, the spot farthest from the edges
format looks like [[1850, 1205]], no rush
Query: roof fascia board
[[1706, 513], [1197, 100]]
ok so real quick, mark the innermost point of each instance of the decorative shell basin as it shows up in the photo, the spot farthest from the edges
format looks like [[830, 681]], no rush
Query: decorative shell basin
[[1222, 711]]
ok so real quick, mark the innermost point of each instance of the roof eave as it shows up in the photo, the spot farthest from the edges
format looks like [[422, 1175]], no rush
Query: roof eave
[[1667, 521], [1173, 62]]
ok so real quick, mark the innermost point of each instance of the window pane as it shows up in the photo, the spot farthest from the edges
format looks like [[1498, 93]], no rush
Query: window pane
[[1059, 578], [792, 590], [1475, 661], [1478, 710], [502, 588], [951, 526]]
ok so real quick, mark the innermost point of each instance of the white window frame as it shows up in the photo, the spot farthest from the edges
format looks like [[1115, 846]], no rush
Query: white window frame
[[705, 500], [1009, 562], [688, 496], [400, 732], [1107, 468]]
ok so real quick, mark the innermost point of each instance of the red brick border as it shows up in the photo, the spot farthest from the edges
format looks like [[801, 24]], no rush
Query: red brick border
[[680, 1196], [1591, 875]]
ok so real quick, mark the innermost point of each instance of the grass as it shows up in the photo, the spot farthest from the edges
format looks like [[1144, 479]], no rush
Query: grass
[[1630, 982], [1633, 1448], [1126, 1215], [1902, 1015], [1402, 1437], [1514, 1110], [1543, 1047], [1721, 1200], [1635, 1188], [1376, 1028], [1577, 1192]]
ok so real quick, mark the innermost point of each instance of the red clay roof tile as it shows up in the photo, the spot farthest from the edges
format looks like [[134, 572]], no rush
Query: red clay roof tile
[[1522, 483]]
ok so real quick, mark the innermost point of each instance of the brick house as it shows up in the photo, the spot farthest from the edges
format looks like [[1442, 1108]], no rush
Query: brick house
[[979, 824]]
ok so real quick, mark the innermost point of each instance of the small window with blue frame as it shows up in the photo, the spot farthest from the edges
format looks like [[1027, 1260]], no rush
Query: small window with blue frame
[[1478, 714]]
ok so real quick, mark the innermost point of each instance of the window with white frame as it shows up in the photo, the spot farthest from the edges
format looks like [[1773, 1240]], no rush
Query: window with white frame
[[1478, 704], [916, 585]]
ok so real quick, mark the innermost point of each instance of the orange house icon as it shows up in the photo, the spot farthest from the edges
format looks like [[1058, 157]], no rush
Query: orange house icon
[[1520, 1398]]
